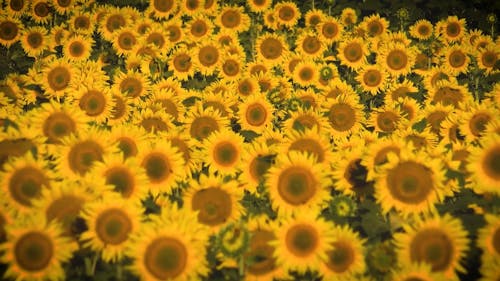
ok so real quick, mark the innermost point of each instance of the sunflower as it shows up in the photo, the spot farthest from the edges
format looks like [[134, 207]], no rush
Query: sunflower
[[182, 64], [201, 122], [111, 222], [129, 139], [81, 23], [417, 272], [162, 9], [174, 32], [199, 28], [125, 176], [113, 20], [438, 241], [215, 199], [191, 7], [167, 100], [433, 76], [263, 264], [152, 119], [163, 164], [232, 19], [308, 141], [302, 242], [259, 6], [483, 165], [346, 256], [421, 30], [55, 120], [344, 114], [256, 160], [474, 119], [16, 8], [77, 48], [330, 30], [231, 67], [63, 7], [348, 16], [314, 17], [306, 119], [180, 139], [348, 172], [63, 203], [79, 153], [309, 45], [376, 154], [247, 86], [402, 89], [305, 73], [489, 271], [36, 250], [271, 49], [172, 249], [131, 84], [452, 29], [450, 93], [411, 183], [287, 14], [372, 78], [409, 107], [121, 110], [456, 59], [207, 57], [296, 182], [396, 58], [57, 78], [488, 239], [40, 11], [124, 40], [222, 152], [386, 119], [353, 52], [374, 25], [255, 113], [10, 30], [95, 102], [35, 41], [487, 58], [22, 179]]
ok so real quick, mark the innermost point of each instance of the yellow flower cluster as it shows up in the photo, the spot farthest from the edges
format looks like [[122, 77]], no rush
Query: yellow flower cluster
[[139, 137]]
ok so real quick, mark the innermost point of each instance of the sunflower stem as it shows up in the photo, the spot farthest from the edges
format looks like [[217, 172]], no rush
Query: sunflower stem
[[90, 268], [476, 87], [119, 271], [241, 263]]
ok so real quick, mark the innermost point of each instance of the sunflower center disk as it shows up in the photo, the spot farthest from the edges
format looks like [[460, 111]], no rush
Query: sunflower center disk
[[34, 251], [296, 185], [432, 246], [166, 258], [302, 240], [341, 257], [410, 182]]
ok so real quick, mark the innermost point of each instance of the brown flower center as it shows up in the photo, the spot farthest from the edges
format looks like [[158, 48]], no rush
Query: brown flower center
[[26, 183], [208, 55], [311, 45], [113, 226], [341, 257], [8, 30], [353, 52], [225, 153], [296, 185], [256, 114], [65, 210], [122, 179], [271, 48], [166, 258], [310, 146], [163, 6], [231, 19], [432, 246], [34, 251], [387, 121], [261, 252], [491, 163], [397, 59], [342, 117], [93, 103], [59, 78], [214, 205], [131, 86], [58, 125], [410, 182], [83, 154], [157, 166], [302, 240]]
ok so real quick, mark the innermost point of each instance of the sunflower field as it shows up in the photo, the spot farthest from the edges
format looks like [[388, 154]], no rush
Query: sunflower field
[[249, 140]]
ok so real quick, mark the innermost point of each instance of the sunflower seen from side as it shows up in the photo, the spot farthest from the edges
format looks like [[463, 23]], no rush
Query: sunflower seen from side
[[483, 165]]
